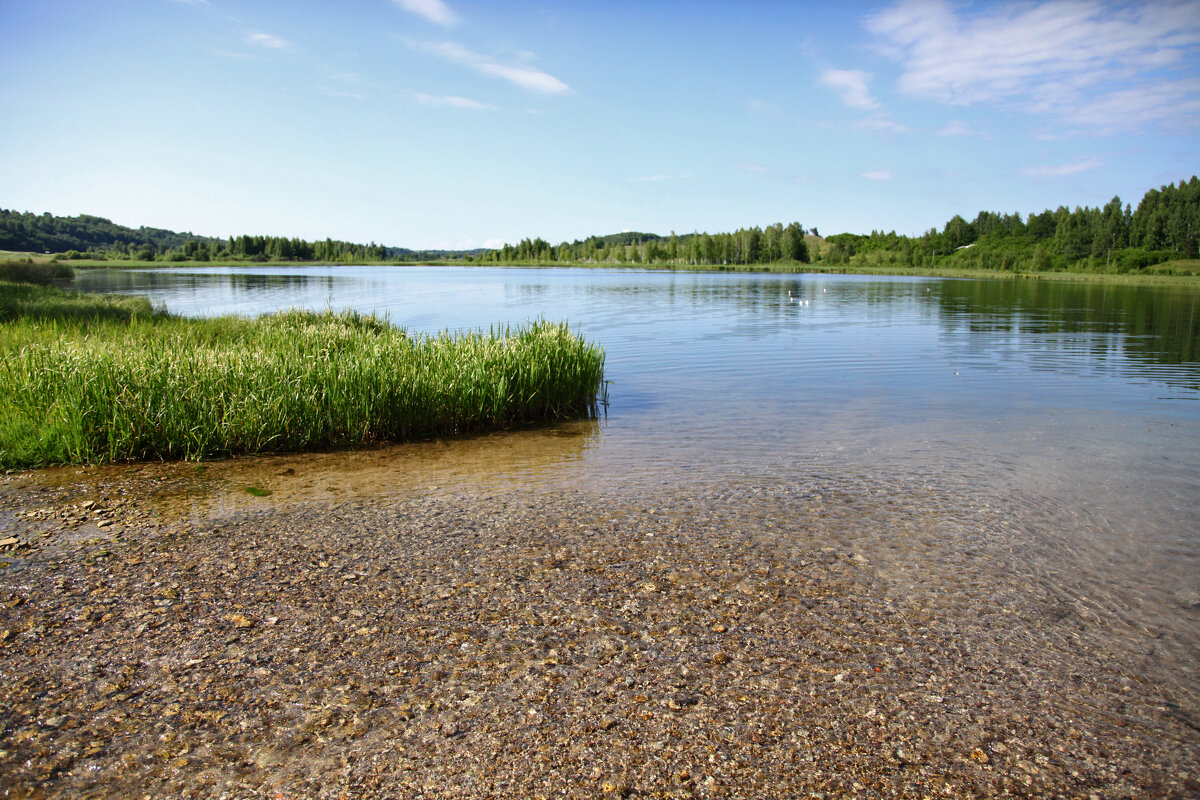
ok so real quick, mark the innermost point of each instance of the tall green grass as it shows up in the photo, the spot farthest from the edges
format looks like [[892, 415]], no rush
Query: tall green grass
[[39, 306], [35, 272], [128, 384]]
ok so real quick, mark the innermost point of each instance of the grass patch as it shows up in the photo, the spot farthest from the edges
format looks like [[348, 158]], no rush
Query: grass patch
[[46, 310], [1183, 266], [41, 273], [96, 379], [26, 255]]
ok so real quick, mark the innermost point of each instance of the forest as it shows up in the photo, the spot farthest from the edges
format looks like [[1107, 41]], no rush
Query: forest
[[1115, 238]]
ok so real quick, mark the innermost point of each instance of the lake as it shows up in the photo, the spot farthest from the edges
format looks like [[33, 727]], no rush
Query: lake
[[1028, 447]]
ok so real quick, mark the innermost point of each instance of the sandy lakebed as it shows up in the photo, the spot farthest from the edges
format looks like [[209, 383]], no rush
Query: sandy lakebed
[[462, 641]]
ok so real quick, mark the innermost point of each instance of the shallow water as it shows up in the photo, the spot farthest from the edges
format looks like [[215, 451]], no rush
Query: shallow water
[[967, 439]]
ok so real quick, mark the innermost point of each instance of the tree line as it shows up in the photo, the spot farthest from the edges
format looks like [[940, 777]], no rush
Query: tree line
[[92, 237], [1164, 226], [775, 244], [1114, 238]]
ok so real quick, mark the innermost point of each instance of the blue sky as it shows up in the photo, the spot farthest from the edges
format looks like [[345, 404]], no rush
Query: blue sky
[[448, 123]]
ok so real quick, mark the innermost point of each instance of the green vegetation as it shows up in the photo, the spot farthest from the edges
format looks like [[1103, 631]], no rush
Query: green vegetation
[[86, 237], [40, 273], [1161, 234], [43, 313], [774, 244], [95, 379], [1159, 237]]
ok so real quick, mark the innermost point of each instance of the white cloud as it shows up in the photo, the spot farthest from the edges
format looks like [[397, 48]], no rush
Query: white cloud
[[237, 56], [266, 40], [1169, 103], [493, 244], [878, 175], [528, 78], [452, 101], [757, 169], [957, 127], [1086, 62], [851, 84], [435, 11], [881, 123], [1062, 170]]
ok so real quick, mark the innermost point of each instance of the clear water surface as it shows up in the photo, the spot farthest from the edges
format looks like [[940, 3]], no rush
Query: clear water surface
[[999, 438]]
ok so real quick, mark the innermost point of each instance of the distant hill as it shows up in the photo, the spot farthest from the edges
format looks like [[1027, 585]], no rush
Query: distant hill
[[48, 233], [624, 238]]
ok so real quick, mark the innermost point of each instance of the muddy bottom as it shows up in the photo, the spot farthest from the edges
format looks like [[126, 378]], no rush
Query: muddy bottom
[[821, 639]]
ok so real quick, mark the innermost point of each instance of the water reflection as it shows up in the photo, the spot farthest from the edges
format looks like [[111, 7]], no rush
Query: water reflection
[[1076, 326], [721, 327]]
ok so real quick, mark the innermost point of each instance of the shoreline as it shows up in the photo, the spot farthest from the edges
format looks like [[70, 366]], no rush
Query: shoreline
[[1149, 278], [509, 642]]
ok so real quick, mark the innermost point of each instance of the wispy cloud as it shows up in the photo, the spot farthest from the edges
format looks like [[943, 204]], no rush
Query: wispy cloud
[[452, 101], [524, 76], [267, 40], [880, 122], [757, 169], [877, 175], [1092, 63], [237, 56], [956, 127], [435, 11], [1062, 170], [851, 85]]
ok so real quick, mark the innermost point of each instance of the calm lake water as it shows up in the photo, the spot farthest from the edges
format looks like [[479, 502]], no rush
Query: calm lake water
[[1003, 438]]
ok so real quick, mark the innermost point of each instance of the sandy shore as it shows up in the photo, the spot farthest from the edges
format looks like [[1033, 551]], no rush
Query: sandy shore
[[516, 643]]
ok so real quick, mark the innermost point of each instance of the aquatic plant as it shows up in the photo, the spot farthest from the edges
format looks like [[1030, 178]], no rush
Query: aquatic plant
[[112, 381]]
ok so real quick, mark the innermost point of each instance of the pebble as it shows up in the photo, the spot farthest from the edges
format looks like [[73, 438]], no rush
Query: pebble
[[531, 645]]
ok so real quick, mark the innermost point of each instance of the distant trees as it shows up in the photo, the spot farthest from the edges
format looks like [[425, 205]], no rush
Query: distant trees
[[1165, 225], [1114, 237], [88, 236], [1168, 219], [771, 245], [46, 232]]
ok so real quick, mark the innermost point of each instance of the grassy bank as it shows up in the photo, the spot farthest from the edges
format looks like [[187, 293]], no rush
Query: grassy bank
[[93, 379]]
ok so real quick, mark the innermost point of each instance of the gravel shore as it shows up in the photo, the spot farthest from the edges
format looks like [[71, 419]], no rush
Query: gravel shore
[[514, 642]]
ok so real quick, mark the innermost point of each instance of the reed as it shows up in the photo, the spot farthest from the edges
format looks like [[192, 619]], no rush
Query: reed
[[130, 384], [37, 272]]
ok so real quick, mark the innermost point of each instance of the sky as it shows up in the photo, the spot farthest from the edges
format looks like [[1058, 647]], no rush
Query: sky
[[459, 124]]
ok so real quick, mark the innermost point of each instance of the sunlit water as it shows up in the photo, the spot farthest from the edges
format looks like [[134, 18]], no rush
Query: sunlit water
[[976, 439]]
